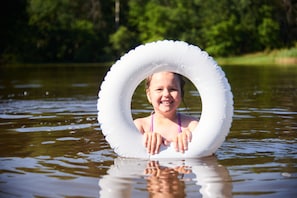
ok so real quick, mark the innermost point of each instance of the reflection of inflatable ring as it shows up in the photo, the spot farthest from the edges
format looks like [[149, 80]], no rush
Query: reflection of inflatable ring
[[114, 103], [211, 178]]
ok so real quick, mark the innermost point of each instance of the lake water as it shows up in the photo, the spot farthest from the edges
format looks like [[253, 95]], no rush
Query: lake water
[[52, 146]]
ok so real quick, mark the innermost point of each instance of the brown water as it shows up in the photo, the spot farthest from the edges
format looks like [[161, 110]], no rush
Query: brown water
[[52, 146]]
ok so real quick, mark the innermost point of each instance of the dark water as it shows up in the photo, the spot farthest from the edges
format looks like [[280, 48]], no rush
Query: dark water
[[52, 146]]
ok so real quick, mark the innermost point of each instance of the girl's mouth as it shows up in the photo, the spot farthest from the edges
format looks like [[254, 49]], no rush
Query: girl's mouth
[[166, 102]]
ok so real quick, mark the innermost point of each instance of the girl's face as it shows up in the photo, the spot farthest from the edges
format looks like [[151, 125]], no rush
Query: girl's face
[[164, 92]]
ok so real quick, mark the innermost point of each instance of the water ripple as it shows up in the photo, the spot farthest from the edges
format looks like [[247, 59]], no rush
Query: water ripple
[[53, 128]]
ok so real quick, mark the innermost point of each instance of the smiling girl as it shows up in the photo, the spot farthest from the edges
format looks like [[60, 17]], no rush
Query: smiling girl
[[165, 125]]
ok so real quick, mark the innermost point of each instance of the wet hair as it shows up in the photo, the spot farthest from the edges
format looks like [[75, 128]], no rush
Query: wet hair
[[180, 78]]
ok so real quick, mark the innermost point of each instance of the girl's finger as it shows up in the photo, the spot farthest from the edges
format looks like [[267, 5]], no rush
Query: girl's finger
[[145, 140], [158, 144], [153, 143], [175, 144], [149, 139], [180, 143], [189, 136], [185, 142]]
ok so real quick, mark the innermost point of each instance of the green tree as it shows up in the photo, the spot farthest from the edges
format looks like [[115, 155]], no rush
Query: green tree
[[93, 30], [224, 37], [122, 40], [236, 27], [68, 30], [267, 32], [161, 19]]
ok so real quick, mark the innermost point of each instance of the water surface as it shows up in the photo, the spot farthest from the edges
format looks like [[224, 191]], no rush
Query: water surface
[[52, 146]]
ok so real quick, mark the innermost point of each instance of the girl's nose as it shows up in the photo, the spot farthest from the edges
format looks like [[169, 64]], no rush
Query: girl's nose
[[166, 92]]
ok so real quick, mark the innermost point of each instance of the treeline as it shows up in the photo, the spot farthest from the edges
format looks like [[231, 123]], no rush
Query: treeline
[[102, 30]]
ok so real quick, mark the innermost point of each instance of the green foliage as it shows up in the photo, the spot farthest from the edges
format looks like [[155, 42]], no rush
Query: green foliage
[[267, 32], [86, 31], [224, 27], [61, 34], [121, 40], [223, 37], [288, 52], [285, 56], [157, 20]]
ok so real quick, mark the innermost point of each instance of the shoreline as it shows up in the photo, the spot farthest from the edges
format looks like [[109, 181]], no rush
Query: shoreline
[[236, 61], [282, 57]]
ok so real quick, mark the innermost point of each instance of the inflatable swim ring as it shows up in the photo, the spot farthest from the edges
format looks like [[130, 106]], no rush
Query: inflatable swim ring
[[115, 95]]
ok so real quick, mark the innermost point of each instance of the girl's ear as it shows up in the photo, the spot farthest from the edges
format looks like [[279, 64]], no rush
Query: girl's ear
[[148, 96]]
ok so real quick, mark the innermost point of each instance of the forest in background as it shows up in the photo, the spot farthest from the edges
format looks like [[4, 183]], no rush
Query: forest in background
[[52, 31]]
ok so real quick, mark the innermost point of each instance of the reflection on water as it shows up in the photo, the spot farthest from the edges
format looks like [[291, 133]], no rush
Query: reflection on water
[[171, 178], [52, 146]]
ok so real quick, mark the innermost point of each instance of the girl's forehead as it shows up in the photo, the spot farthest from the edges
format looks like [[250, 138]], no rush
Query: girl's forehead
[[163, 76], [160, 79]]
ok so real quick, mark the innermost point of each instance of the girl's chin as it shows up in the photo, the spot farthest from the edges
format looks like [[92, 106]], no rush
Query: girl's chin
[[166, 109]]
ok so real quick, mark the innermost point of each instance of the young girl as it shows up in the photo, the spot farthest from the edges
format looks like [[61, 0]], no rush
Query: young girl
[[165, 125]]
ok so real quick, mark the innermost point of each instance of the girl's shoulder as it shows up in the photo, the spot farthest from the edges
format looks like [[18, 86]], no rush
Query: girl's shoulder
[[189, 121], [142, 120], [142, 124]]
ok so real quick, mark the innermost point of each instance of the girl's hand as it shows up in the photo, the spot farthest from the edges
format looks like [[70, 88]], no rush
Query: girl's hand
[[152, 142], [181, 141]]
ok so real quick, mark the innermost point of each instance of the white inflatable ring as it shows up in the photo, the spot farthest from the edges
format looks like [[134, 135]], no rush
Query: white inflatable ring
[[115, 95]]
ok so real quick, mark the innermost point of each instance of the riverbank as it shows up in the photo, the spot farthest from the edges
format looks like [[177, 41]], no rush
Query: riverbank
[[274, 57]]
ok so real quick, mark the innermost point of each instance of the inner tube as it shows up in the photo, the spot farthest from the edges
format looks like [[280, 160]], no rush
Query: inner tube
[[116, 91]]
